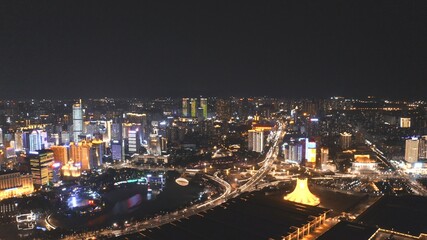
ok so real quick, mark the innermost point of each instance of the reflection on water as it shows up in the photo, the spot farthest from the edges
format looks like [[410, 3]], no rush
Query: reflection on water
[[136, 200]]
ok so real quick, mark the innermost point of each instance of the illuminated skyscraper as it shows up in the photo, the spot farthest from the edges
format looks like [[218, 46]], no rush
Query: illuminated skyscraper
[[412, 150], [77, 121], [133, 141], [116, 150], [41, 166], [80, 154], [345, 140], [256, 140], [422, 152], [97, 151], [204, 106], [294, 150], [193, 104], [185, 107], [60, 154], [416, 149], [35, 140], [1, 137], [19, 144]]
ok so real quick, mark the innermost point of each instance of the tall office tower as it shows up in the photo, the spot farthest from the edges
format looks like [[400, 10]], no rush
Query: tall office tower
[[412, 150], [422, 152], [60, 154], [204, 106], [185, 107], [116, 150], [35, 140], [133, 141], [26, 140], [43, 137], [97, 151], [77, 121], [41, 166], [1, 137], [345, 140], [294, 151], [80, 154], [193, 103], [19, 144], [116, 132], [106, 135], [65, 137], [256, 140]]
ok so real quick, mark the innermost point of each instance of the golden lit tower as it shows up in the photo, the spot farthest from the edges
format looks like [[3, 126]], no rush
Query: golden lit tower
[[204, 106], [193, 103]]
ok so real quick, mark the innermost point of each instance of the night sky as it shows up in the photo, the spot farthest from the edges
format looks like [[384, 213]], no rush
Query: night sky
[[214, 48]]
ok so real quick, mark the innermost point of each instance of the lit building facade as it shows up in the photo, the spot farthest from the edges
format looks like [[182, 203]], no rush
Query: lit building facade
[[405, 122], [412, 150], [311, 152], [256, 140], [60, 154], [14, 184], [416, 149], [35, 140], [41, 162], [193, 104], [133, 141], [204, 106], [116, 150], [80, 154], [345, 140], [185, 107], [77, 121]]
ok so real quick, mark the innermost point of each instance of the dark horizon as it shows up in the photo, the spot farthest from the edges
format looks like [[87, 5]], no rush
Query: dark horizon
[[295, 49]]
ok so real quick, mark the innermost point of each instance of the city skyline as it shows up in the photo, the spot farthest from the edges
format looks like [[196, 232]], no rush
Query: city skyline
[[294, 49], [214, 120]]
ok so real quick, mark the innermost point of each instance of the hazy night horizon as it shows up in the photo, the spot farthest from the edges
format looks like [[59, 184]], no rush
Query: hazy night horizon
[[277, 48]]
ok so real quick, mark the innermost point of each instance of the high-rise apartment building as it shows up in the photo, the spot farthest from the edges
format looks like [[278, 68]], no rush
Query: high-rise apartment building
[[256, 140], [411, 150], [415, 149]]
